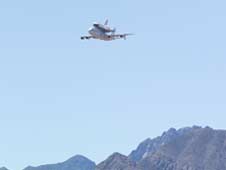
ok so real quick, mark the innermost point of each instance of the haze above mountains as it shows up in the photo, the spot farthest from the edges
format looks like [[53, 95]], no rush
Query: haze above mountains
[[191, 148]]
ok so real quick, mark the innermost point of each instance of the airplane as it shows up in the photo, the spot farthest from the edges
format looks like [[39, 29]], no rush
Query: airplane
[[103, 32]]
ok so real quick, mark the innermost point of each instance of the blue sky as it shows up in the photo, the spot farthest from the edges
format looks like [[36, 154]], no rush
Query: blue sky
[[60, 96]]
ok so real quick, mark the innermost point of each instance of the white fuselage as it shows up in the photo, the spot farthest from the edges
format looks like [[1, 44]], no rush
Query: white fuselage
[[103, 32], [99, 31]]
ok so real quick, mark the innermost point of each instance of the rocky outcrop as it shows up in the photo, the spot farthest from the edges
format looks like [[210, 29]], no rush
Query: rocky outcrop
[[117, 161], [196, 149], [150, 146]]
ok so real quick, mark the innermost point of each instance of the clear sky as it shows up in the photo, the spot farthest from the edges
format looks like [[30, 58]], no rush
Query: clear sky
[[60, 96]]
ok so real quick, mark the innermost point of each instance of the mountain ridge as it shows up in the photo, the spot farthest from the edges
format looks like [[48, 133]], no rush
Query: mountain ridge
[[77, 162], [189, 148], [149, 145], [117, 161], [198, 149]]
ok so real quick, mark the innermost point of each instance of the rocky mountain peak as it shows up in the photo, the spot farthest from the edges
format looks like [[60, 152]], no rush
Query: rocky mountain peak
[[149, 146], [194, 149], [78, 158], [117, 161], [117, 156]]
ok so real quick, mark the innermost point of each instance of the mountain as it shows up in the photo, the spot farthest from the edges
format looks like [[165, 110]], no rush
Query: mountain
[[190, 148], [193, 149], [77, 162], [150, 146], [117, 161]]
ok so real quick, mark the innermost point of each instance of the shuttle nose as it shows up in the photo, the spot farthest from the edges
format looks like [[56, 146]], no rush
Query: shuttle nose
[[90, 30]]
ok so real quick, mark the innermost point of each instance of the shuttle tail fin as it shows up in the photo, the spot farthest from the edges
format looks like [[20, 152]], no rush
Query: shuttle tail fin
[[106, 22]]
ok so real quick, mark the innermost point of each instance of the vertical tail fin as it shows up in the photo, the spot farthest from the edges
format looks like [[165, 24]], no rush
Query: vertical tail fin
[[106, 22]]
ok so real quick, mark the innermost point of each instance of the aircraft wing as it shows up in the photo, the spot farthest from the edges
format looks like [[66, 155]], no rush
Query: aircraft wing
[[119, 36]]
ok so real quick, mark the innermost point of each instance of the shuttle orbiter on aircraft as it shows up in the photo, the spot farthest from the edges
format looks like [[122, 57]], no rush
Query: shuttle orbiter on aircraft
[[103, 32]]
